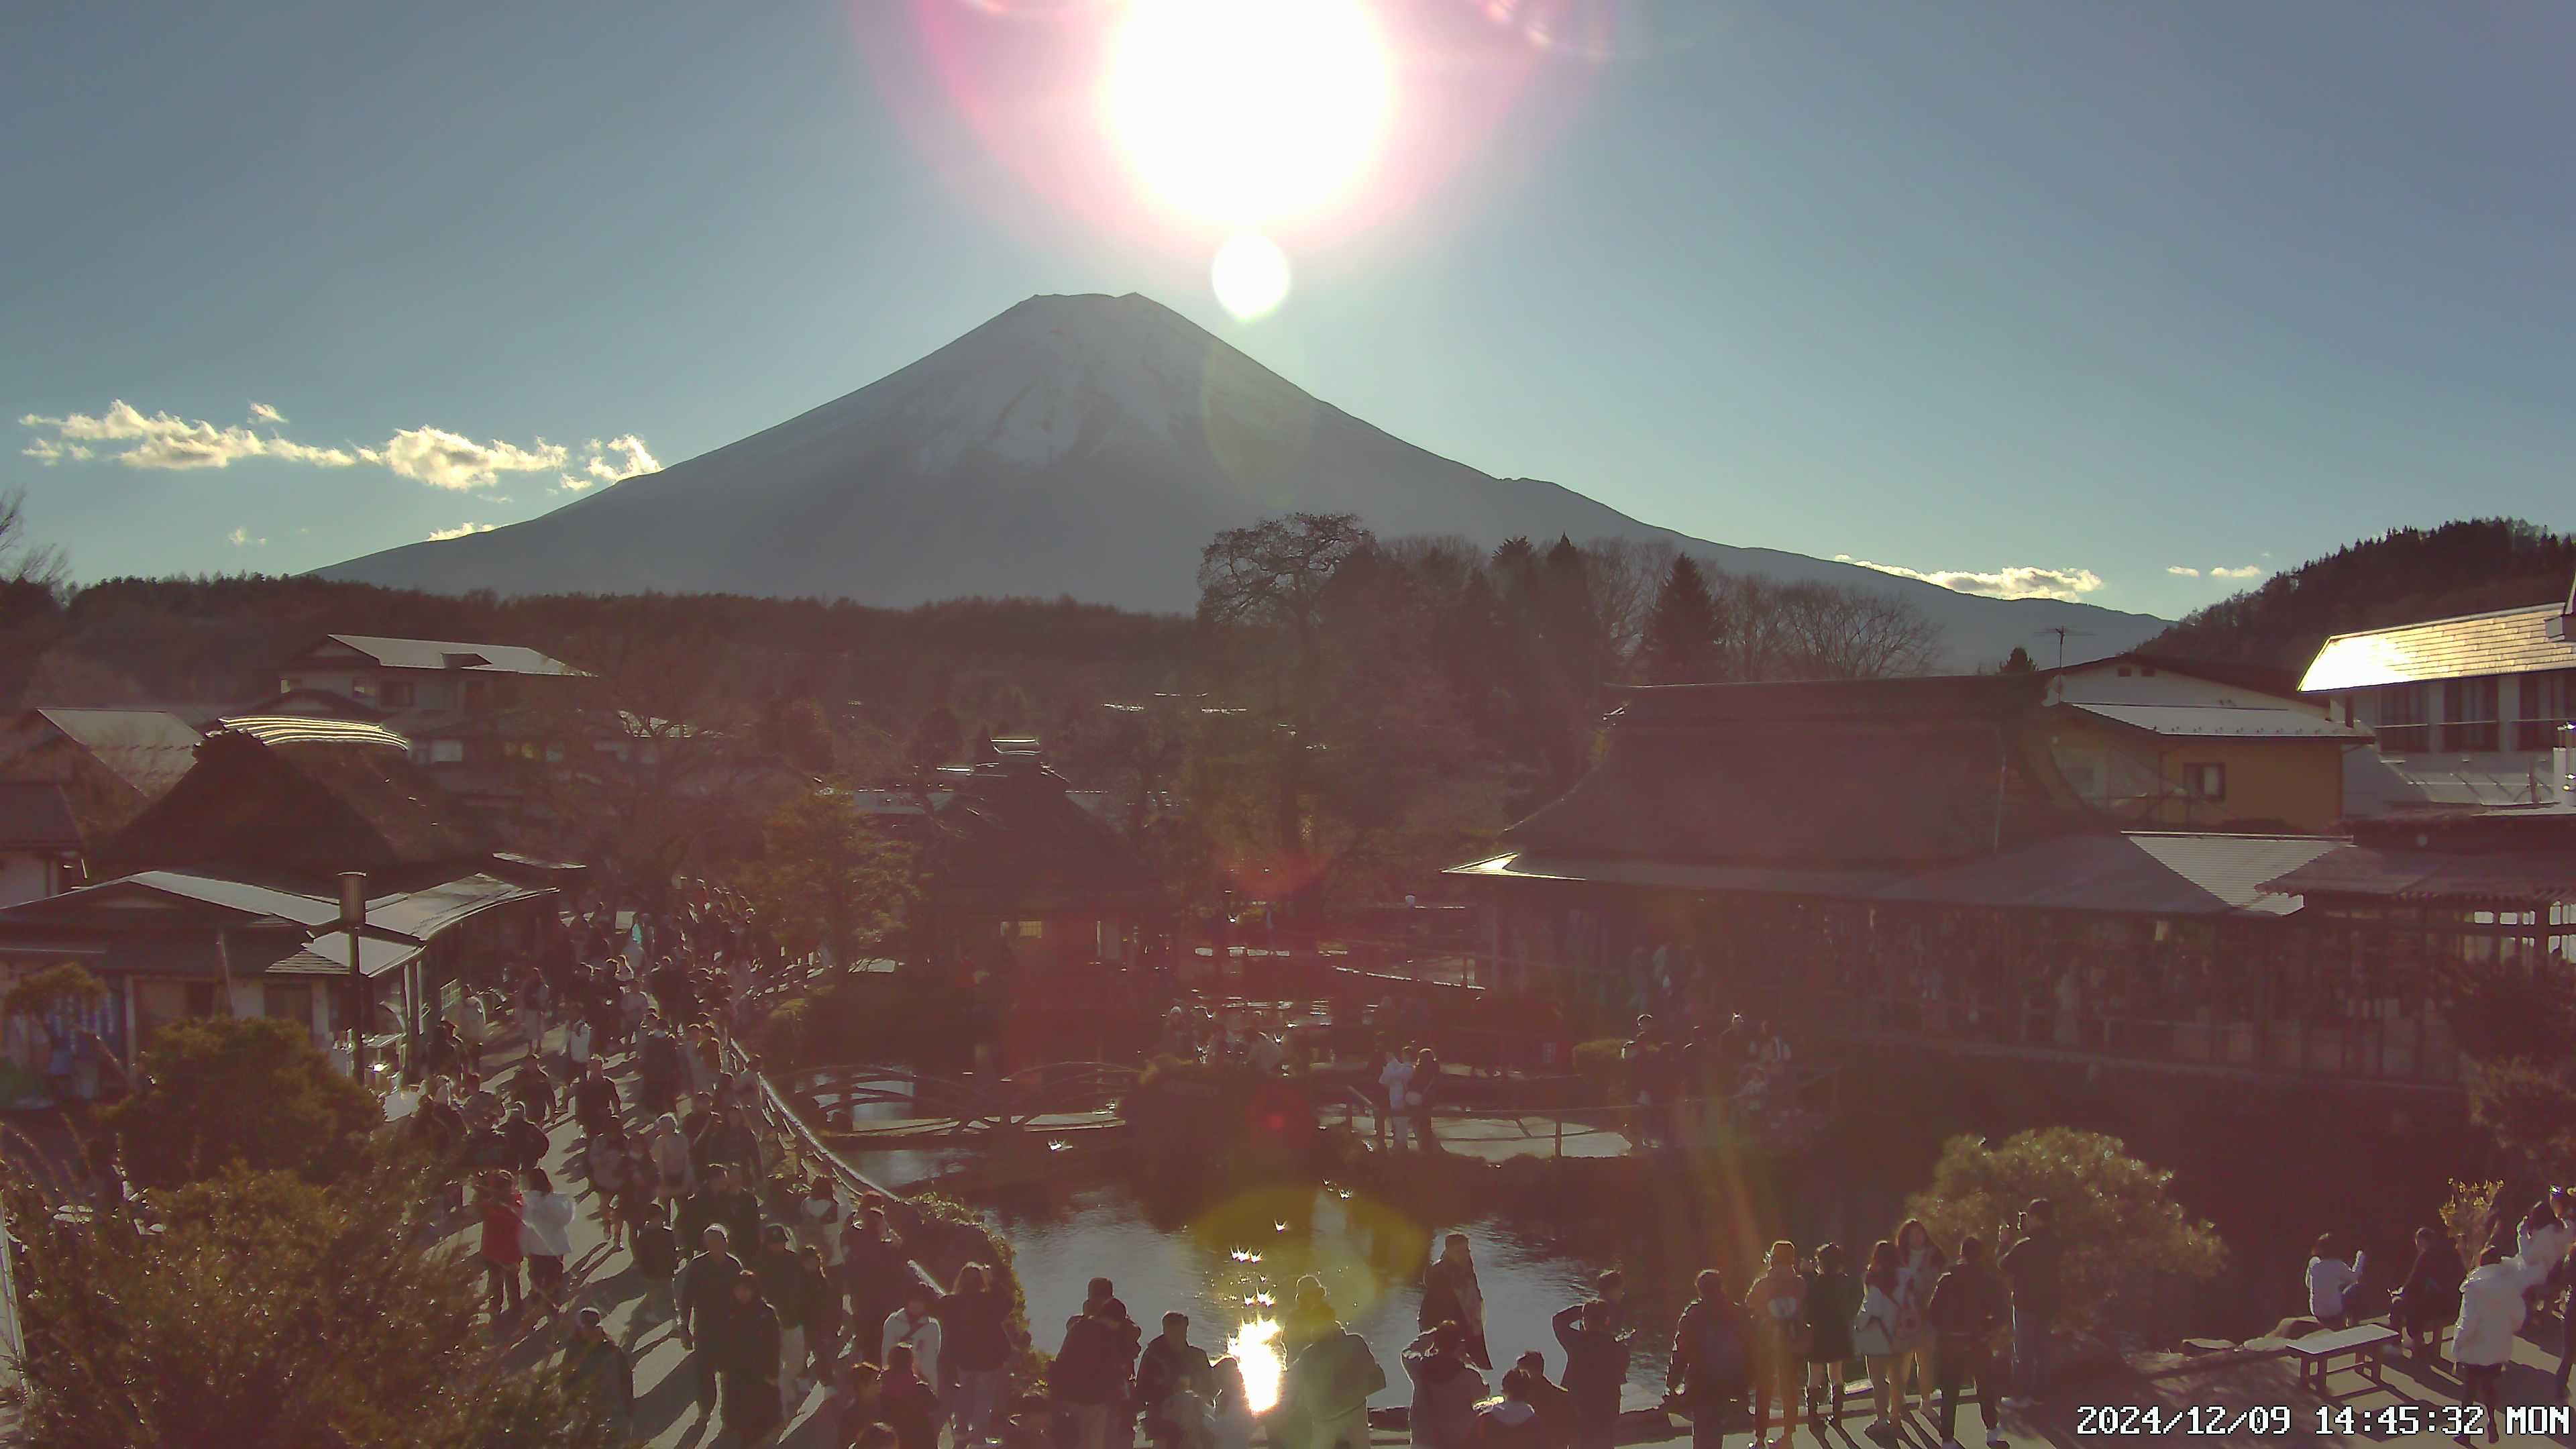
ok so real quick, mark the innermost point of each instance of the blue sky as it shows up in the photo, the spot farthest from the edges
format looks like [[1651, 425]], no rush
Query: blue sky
[[2106, 290]]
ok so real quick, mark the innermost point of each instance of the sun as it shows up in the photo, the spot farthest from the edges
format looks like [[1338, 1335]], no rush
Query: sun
[[1247, 112]]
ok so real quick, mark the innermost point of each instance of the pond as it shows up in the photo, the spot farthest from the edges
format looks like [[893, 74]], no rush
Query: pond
[[1233, 1265]]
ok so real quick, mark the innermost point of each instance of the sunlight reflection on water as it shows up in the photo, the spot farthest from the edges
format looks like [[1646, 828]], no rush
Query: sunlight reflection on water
[[1256, 1346]]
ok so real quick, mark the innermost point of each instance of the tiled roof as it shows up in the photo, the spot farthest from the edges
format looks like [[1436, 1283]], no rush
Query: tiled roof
[[2534, 876], [2201, 721], [2508, 641]]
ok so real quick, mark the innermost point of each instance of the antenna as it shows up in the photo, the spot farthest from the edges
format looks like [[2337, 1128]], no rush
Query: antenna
[[2061, 631]]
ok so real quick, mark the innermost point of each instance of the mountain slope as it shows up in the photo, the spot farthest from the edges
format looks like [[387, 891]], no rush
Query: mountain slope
[[1084, 446]]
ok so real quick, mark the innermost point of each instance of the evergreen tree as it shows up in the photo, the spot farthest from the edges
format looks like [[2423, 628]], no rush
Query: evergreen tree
[[2018, 662], [1681, 634]]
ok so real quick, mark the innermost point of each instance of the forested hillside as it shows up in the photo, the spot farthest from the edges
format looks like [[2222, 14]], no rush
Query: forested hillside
[[2406, 574]]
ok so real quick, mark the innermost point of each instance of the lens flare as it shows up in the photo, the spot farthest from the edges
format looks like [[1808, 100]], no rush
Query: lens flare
[[1256, 1347], [1250, 277], [1243, 112]]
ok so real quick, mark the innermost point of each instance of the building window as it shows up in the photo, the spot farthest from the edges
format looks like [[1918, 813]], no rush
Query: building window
[[447, 752], [2402, 725], [2548, 701], [2205, 782], [2469, 714], [1031, 930]]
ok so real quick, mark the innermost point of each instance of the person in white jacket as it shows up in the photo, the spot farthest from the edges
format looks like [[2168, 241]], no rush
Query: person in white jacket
[[545, 1236], [2330, 1278], [2491, 1312], [912, 1324]]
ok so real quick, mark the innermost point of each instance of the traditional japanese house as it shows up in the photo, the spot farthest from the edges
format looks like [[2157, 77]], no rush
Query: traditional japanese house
[[224, 893], [1905, 859]]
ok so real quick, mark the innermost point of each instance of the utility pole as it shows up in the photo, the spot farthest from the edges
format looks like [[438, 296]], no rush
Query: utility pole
[[2061, 631], [353, 915]]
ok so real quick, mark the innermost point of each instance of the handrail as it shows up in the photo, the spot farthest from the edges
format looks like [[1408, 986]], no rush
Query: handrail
[[781, 1117]]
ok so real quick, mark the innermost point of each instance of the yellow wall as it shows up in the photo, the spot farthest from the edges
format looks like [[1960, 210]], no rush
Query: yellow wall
[[2298, 783]]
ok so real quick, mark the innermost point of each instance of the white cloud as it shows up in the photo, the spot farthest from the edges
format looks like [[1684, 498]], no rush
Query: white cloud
[[620, 458], [443, 459], [165, 442], [2248, 571], [434, 456], [2013, 581], [240, 538], [2180, 572], [442, 535]]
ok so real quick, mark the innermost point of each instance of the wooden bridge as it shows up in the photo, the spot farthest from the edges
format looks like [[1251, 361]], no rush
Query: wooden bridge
[[875, 1105]]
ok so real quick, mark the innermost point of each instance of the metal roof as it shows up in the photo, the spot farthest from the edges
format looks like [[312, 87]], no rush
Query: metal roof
[[307, 728], [2531, 877], [35, 816], [2140, 872], [2508, 641], [148, 749], [448, 654], [2204, 721], [1673, 875]]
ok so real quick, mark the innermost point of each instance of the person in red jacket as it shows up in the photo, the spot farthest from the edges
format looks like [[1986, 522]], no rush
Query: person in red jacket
[[502, 1208]]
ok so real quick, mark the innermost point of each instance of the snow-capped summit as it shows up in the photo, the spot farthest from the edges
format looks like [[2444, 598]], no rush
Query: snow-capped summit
[[1086, 446]]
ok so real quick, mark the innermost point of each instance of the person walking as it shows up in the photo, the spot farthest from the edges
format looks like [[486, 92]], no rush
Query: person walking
[[1874, 1337], [1966, 1305], [601, 1373], [706, 1307], [912, 1327], [747, 1363], [2491, 1314], [906, 1401], [1595, 1340], [2330, 1278], [545, 1236], [671, 1165], [1775, 1317], [1919, 1266], [498, 1202], [1093, 1371], [819, 1303], [657, 1257], [595, 1103], [1171, 1370], [1710, 1360], [876, 1273], [2032, 1268], [1445, 1389], [1833, 1300], [975, 1338], [1451, 1294], [523, 1144]]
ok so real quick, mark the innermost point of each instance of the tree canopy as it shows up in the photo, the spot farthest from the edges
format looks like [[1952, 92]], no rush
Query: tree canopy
[[270, 1310], [2116, 1218], [220, 1092]]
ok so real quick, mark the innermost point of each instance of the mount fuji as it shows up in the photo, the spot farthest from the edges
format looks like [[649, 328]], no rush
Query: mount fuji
[[1084, 446]]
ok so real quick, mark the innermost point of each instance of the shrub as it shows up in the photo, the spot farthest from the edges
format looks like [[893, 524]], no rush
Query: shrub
[[2467, 1216], [2115, 1216], [220, 1091], [1601, 1063]]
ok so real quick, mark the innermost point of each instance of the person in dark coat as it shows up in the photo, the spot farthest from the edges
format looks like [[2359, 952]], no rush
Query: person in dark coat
[[906, 1403], [1170, 1365], [1711, 1360], [523, 1143], [1451, 1294], [1596, 1361], [1554, 1404], [706, 1307], [2430, 1296], [1832, 1301], [594, 1101], [876, 1271], [747, 1364], [1966, 1306], [601, 1373]]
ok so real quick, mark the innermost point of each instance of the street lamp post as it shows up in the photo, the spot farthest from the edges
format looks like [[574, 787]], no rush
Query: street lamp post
[[353, 914]]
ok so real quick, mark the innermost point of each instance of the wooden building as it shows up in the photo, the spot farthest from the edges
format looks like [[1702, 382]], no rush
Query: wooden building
[[224, 893], [1905, 859]]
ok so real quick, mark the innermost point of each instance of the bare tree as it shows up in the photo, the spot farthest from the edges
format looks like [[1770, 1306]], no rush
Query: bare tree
[[26, 567], [1818, 631], [1626, 575]]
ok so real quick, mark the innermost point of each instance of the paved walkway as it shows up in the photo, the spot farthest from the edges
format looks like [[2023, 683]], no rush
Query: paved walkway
[[666, 1376]]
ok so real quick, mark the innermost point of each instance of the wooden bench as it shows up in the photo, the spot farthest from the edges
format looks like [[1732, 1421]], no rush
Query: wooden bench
[[2318, 1354]]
